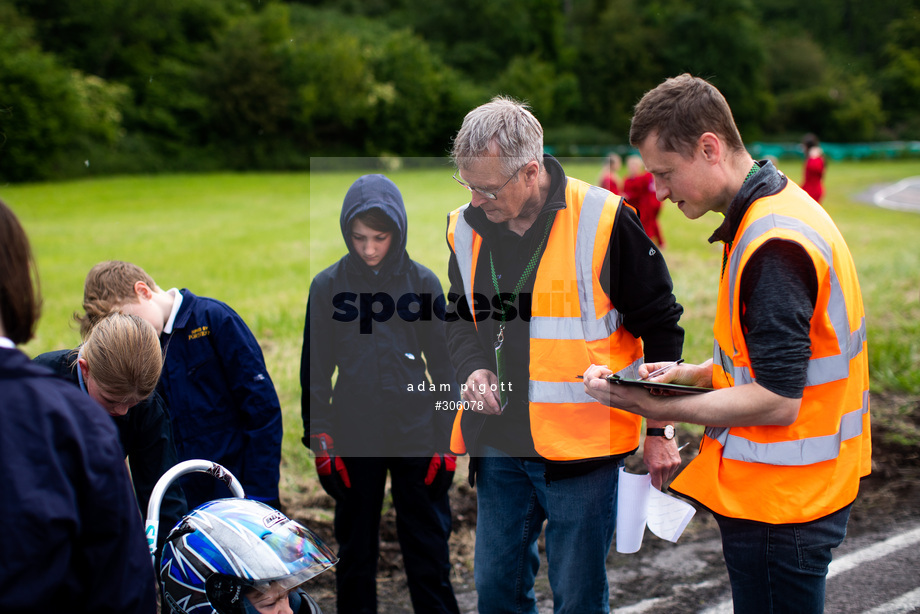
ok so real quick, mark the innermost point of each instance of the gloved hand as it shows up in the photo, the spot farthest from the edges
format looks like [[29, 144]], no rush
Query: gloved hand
[[440, 475], [331, 468]]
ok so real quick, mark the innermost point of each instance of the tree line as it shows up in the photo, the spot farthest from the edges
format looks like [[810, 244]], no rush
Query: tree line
[[122, 86]]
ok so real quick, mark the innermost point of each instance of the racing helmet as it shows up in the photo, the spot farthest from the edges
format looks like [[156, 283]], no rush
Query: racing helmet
[[222, 548]]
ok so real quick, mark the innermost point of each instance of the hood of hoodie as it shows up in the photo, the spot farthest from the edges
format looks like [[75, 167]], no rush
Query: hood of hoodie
[[368, 192]]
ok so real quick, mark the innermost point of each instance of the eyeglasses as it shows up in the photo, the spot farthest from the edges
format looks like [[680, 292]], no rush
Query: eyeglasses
[[488, 193]]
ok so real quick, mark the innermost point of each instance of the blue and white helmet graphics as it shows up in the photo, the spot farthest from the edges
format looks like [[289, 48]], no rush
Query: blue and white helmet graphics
[[240, 541]]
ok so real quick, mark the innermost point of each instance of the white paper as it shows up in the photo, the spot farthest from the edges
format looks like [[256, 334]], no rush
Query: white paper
[[668, 516], [639, 504], [632, 510]]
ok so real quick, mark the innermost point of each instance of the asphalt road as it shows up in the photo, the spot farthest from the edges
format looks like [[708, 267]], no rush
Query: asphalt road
[[903, 195], [875, 571], [878, 572]]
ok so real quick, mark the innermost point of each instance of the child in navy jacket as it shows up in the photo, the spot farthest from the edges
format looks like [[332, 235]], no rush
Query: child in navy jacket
[[222, 402]]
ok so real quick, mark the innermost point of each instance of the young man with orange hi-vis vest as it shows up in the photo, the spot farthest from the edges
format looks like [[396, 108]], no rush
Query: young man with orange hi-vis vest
[[787, 437], [559, 275]]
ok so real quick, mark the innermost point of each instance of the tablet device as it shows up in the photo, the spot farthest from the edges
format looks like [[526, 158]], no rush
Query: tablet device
[[613, 378]]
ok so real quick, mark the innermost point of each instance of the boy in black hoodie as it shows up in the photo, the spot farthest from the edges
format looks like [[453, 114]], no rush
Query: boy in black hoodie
[[373, 315]]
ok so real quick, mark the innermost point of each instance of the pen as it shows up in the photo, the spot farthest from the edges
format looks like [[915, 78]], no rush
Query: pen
[[661, 370], [653, 373], [683, 446]]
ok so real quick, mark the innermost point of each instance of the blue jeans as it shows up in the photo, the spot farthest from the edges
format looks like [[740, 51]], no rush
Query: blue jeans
[[780, 568], [580, 513]]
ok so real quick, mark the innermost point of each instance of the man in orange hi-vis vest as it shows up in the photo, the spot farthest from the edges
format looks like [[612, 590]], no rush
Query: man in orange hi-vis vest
[[787, 437], [548, 275]]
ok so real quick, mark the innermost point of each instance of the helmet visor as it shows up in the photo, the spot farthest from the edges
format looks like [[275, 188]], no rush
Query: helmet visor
[[301, 551]]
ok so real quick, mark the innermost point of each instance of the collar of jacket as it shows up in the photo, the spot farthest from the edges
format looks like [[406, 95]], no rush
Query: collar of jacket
[[765, 182], [185, 309]]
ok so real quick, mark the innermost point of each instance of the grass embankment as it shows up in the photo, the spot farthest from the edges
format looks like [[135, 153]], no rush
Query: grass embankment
[[256, 240]]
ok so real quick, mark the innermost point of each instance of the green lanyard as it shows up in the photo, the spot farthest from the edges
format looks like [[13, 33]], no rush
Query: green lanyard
[[500, 370], [528, 271], [728, 245]]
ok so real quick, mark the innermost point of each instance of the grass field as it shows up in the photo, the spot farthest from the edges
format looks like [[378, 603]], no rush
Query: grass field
[[256, 240]]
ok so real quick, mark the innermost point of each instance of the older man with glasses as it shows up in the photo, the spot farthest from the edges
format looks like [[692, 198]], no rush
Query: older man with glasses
[[552, 275]]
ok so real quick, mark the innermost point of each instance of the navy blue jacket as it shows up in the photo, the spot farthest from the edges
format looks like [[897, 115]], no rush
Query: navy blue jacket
[[72, 538], [372, 411], [147, 442], [222, 402]]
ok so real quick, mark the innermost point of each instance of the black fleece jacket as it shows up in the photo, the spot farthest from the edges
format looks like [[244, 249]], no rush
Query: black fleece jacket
[[375, 407]]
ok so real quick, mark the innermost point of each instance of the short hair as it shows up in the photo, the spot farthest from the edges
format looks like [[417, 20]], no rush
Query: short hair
[[376, 219], [20, 294], [681, 110], [504, 123], [124, 356], [810, 140], [108, 285]]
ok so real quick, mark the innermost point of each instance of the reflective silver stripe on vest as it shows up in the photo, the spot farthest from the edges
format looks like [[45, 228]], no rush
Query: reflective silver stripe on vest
[[586, 327], [571, 392], [463, 249], [820, 370], [792, 453], [740, 375]]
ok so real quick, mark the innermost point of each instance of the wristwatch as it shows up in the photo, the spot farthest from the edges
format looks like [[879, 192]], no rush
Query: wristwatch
[[667, 432]]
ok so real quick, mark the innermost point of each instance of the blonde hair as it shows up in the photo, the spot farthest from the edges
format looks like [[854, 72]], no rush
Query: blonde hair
[[634, 164], [123, 355], [108, 285]]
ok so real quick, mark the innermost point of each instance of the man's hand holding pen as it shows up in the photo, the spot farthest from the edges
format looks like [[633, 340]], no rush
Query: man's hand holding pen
[[678, 372], [637, 400], [659, 371]]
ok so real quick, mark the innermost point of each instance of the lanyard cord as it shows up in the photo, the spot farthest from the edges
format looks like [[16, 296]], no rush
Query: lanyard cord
[[728, 245], [528, 270]]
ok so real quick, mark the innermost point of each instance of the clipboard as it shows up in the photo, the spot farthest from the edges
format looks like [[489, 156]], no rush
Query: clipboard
[[613, 378]]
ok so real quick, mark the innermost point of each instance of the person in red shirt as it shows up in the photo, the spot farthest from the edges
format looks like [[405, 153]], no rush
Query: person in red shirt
[[814, 172], [639, 190], [610, 176]]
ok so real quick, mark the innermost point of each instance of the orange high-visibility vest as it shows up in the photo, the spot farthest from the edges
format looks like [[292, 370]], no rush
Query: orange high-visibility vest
[[573, 325], [805, 471]]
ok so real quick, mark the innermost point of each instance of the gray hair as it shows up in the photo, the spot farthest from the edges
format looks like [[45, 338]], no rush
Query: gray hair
[[508, 124]]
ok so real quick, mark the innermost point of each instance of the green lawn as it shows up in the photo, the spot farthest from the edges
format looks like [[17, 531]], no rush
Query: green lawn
[[256, 240]]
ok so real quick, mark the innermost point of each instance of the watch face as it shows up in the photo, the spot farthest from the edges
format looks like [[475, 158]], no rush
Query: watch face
[[669, 432]]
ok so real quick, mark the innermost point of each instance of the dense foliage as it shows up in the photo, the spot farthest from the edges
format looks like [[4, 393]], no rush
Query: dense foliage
[[113, 86]]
